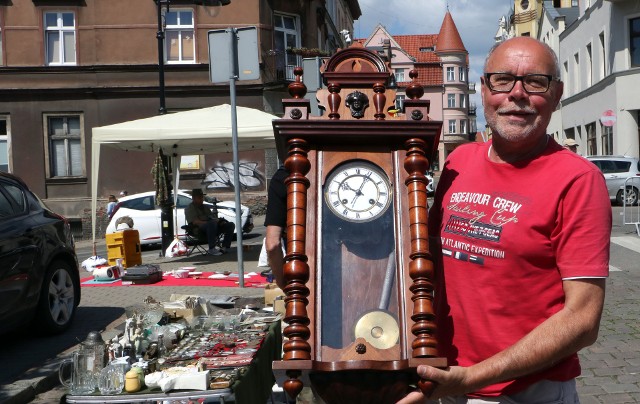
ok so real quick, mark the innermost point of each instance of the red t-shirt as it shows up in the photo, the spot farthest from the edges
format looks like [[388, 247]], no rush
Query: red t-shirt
[[509, 234]]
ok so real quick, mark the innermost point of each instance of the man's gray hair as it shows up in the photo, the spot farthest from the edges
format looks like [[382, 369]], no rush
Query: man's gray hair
[[554, 57]]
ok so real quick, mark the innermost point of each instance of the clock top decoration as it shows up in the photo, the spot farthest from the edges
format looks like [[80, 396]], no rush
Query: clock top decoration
[[358, 271]]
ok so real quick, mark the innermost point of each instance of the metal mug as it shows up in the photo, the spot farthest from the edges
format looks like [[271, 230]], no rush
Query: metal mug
[[80, 379]]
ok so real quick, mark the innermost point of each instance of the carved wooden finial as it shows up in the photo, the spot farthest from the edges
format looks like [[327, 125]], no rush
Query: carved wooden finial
[[297, 89], [334, 100], [379, 99], [414, 91]]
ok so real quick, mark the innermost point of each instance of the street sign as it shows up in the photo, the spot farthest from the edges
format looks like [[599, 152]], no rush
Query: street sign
[[608, 118], [244, 50]]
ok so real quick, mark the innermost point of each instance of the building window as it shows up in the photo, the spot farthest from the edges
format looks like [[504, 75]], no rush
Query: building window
[[60, 38], [65, 152], [463, 126], [589, 66], [286, 35], [451, 100], [179, 40], [607, 139], [399, 75], [574, 3], [634, 41], [576, 73], [463, 100], [451, 75], [603, 56], [1, 58], [4, 144], [462, 73], [400, 102], [565, 78], [452, 126]]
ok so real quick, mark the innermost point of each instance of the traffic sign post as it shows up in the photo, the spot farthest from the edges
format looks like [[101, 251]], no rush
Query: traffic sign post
[[233, 55]]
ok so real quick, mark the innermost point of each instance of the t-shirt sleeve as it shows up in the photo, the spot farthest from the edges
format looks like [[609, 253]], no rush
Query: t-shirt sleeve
[[582, 232], [277, 201]]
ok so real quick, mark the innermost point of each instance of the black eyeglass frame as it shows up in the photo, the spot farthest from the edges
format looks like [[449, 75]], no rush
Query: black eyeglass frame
[[550, 77]]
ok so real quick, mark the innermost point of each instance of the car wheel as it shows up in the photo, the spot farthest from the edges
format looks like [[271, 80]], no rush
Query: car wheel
[[57, 305], [630, 196]]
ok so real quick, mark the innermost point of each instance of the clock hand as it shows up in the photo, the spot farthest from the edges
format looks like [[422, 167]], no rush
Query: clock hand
[[359, 191]]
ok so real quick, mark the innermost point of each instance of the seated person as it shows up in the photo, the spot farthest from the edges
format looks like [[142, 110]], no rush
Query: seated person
[[206, 221]]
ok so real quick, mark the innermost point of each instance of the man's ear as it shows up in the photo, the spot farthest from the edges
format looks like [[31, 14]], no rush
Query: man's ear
[[482, 87], [559, 89]]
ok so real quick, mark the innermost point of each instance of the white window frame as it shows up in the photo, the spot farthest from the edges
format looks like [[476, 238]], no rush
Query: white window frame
[[5, 138], [289, 61], [451, 74], [463, 126], [399, 73], [463, 100], [61, 30], [400, 101], [181, 32], [451, 100], [606, 139], [80, 167], [452, 126], [462, 73]]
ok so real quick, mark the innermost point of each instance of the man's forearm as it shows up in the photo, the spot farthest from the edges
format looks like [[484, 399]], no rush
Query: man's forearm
[[273, 245]]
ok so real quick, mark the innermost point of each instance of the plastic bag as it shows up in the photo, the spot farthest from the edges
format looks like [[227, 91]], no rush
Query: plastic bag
[[263, 259], [177, 248], [92, 262]]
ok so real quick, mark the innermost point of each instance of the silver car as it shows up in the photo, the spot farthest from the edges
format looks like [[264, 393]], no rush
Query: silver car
[[616, 170]]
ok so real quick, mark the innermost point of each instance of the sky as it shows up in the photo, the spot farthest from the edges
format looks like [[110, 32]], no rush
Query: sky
[[477, 22]]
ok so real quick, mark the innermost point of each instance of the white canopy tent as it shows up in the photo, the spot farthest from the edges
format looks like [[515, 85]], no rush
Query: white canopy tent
[[200, 131]]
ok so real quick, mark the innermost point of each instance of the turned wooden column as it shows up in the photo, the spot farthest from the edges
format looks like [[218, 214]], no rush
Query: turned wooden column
[[421, 265]]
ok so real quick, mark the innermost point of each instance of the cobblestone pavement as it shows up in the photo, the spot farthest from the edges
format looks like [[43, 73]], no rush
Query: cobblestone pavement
[[610, 367]]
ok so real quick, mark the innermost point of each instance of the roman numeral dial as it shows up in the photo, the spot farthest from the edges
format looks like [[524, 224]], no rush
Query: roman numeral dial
[[358, 191]]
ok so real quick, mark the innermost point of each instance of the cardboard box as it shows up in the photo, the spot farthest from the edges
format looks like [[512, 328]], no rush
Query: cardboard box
[[278, 307], [271, 291]]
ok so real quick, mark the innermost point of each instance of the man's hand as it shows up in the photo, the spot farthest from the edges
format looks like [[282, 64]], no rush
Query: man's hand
[[452, 381]]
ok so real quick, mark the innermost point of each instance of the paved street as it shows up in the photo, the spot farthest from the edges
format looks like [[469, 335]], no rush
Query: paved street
[[611, 367]]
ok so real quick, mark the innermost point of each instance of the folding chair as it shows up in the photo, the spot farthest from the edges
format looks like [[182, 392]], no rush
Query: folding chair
[[195, 238]]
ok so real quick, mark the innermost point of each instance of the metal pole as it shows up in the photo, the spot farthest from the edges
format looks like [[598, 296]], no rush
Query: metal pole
[[233, 60], [160, 35], [166, 207]]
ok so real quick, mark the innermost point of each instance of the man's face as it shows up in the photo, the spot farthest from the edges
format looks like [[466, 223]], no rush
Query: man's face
[[518, 115], [198, 199]]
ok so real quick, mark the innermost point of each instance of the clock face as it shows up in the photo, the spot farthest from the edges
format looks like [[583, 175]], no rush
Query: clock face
[[358, 191]]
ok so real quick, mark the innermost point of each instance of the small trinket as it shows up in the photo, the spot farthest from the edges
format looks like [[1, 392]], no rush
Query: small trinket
[[132, 382]]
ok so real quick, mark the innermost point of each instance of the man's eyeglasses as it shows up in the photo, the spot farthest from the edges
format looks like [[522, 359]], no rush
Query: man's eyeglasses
[[532, 83]]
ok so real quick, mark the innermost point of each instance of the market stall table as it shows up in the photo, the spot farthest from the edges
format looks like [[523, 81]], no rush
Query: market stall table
[[253, 385]]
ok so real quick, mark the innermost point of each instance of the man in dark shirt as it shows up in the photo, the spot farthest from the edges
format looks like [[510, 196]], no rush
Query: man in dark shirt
[[206, 220], [276, 223]]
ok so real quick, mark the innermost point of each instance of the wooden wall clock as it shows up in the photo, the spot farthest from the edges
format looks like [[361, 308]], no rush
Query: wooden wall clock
[[358, 269]]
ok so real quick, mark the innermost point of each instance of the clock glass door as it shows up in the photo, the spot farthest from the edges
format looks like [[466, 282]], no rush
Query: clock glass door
[[358, 259]]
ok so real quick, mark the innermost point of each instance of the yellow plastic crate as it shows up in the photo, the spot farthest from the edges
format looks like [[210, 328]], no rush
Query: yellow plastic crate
[[126, 245]]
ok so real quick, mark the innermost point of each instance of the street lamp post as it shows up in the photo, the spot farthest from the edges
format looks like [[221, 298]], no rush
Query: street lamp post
[[166, 207]]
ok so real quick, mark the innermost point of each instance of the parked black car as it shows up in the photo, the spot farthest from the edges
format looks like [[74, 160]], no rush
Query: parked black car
[[39, 276]]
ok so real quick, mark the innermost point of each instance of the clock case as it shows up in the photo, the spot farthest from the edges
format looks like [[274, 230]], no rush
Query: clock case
[[336, 272]]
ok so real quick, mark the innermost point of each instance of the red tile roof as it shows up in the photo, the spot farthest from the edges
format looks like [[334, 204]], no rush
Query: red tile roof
[[413, 43], [449, 38]]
